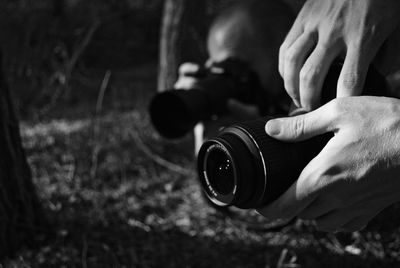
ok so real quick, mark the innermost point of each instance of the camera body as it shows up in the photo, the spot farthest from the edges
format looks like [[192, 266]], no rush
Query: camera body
[[175, 112]]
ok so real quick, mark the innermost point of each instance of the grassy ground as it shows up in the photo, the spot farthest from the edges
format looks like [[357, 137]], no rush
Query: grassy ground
[[113, 201]]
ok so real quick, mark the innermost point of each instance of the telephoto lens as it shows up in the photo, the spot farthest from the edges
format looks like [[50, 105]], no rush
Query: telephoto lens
[[246, 168], [175, 112]]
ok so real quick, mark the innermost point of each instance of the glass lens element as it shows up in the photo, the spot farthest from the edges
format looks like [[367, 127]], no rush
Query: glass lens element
[[220, 171]]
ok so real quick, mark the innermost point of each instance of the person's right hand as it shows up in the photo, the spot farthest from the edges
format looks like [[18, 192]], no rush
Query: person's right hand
[[328, 29], [357, 173]]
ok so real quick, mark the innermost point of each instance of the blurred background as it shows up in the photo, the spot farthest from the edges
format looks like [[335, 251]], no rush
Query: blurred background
[[102, 188]]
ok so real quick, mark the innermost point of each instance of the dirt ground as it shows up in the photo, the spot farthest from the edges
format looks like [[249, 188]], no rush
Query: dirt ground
[[118, 195]]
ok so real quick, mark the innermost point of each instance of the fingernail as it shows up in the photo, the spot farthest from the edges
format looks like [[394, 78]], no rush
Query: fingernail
[[273, 127]]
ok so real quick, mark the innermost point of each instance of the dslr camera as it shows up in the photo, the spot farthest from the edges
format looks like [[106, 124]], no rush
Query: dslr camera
[[175, 112], [242, 166], [245, 168]]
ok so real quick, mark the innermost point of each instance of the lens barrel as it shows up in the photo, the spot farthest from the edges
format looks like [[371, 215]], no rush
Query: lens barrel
[[175, 112], [251, 169]]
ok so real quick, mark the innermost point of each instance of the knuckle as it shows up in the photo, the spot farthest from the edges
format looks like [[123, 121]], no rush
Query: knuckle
[[298, 127], [291, 56], [351, 81], [331, 36]]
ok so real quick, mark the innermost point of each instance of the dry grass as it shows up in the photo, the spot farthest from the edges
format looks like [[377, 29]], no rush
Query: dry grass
[[136, 212]]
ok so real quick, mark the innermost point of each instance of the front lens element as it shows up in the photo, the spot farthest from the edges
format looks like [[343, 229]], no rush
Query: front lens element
[[219, 168]]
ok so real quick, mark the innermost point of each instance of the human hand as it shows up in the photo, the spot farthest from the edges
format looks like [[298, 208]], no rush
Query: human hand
[[356, 175], [327, 29], [187, 75]]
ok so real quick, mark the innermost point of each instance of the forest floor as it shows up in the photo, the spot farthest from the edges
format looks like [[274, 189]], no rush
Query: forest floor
[[119, 195]]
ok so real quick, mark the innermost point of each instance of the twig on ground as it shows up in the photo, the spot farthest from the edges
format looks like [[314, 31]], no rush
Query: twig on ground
[[282, 258], [71, 170], [287, 260], [156, 158], [96, 124], [334, 244], [82, 46], [100, 97], [84, 252]]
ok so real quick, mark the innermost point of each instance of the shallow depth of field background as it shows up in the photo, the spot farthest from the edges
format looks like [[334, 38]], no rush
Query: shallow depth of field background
[[115, 192]]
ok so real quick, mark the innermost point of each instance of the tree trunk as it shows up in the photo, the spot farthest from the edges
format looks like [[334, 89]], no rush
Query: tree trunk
[[170, 28], [183, 36], [20, 211]]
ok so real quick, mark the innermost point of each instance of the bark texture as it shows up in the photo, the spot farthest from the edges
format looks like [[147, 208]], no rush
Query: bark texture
[[20, 212]]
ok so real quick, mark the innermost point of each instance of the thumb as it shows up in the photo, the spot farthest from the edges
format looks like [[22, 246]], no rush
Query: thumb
[[301, 127]]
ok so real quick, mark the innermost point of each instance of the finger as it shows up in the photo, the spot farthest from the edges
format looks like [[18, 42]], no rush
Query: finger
[[293, 34], [310, 188], [188, 68], [288, 205], [354, 71], [319, 207], [334, 220], [294, 59], [242, 111], [198, 137], [303, 126], [368, 212], [313, 74]]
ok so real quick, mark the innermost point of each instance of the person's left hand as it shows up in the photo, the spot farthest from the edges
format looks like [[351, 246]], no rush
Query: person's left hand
[[327, 30], [356, 175]]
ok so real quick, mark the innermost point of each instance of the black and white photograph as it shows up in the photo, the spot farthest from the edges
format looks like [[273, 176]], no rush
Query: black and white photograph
[[200, 133]]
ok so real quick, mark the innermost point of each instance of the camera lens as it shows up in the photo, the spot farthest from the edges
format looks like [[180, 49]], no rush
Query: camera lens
[[219, 167], [246, 168], [174, 112]]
